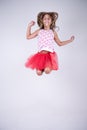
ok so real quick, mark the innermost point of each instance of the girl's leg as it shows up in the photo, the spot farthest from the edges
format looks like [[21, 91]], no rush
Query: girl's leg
[[47, 70], [39, 72]]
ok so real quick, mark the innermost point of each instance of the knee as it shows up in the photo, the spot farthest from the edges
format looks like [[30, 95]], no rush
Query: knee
[[39, 72], [47, 70]]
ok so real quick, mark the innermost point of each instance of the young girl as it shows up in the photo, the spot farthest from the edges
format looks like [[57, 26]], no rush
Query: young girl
[[45, 60]]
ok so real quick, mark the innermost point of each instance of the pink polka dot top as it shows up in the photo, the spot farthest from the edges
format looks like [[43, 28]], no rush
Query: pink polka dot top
[[46, 40]]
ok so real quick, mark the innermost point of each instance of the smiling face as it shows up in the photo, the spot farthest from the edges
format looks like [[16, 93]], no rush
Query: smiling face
[[47, 21]]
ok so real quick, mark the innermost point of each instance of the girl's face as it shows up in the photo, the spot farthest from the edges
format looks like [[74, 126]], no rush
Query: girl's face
[[47, 20]]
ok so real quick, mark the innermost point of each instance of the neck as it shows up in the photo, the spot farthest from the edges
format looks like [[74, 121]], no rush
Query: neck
[[46, 28]]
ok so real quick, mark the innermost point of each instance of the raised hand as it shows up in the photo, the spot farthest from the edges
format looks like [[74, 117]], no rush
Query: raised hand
[[72, 38], [32, 23]]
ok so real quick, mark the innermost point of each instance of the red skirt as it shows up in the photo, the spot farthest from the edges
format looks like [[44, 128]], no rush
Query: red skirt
[[40, 61]]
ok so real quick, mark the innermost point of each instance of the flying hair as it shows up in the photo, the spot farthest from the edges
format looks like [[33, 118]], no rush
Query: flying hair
[[53, 15]]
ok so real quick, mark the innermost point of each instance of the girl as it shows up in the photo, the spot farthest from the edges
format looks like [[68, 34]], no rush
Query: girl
[[45, 60]]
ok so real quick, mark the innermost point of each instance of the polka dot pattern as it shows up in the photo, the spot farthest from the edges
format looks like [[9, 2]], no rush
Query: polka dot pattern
[[46, 40]]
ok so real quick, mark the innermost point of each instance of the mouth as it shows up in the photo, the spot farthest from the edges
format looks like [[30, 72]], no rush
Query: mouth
[[46, 23]]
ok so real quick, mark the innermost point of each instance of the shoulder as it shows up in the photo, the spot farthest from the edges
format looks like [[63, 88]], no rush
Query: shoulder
[[41, 31], [55, 33], [37, 31]]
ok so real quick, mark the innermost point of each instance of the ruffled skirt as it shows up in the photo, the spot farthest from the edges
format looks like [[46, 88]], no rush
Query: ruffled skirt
[[40, 61]]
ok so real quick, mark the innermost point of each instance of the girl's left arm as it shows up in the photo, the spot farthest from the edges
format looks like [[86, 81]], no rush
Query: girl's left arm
[[61, 43]]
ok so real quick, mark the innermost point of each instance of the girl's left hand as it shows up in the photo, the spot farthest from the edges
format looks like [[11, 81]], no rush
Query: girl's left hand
[[72, 38]]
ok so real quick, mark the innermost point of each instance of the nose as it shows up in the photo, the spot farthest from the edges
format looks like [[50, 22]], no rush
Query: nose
[[46, 20]]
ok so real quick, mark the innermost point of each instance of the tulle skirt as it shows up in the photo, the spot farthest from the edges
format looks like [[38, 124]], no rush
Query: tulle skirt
[[40, 61]]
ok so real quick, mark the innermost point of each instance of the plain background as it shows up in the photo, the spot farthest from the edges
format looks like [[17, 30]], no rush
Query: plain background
[[57, 101]]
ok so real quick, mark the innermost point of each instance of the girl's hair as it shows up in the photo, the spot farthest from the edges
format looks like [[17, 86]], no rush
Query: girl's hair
[[40, 16]]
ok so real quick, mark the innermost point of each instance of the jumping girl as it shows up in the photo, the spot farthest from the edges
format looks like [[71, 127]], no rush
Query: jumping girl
[[45, 60]]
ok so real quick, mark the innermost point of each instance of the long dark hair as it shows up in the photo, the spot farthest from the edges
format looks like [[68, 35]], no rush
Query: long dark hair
[[53, 15]]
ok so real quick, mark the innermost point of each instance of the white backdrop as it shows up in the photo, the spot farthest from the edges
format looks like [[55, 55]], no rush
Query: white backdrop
[[57, 101]]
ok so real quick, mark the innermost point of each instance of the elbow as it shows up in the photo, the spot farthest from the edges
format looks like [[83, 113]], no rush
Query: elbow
[[60, 44], [27, 37]]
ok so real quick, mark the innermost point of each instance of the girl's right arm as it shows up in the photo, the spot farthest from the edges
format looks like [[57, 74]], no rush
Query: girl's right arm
[[28, 33]]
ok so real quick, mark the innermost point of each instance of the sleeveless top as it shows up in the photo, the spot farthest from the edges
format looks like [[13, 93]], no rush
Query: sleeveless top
[[46, 40]]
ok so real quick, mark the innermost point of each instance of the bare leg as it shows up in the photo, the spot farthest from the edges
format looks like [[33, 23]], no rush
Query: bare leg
[[47, 70], [39, 72]]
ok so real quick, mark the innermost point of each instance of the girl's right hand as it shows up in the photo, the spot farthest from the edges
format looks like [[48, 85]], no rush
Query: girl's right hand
[[32, 23]]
